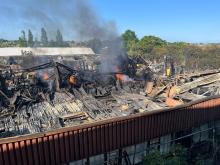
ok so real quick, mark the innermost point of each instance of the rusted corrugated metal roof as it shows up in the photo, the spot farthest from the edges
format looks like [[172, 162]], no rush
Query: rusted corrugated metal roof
[[73, 143]]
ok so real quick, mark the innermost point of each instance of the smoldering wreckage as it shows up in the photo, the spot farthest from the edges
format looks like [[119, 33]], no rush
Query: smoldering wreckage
[[54, 94]]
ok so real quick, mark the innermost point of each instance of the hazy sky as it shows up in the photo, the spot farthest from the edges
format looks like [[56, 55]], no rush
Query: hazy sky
[[172, 20]]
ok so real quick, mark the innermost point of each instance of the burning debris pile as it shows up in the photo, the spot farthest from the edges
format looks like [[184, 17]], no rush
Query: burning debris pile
[[53, 95]]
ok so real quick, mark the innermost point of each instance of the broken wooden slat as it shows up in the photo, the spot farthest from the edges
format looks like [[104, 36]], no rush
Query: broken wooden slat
[[74, 115], [191, 96], [199, 82]]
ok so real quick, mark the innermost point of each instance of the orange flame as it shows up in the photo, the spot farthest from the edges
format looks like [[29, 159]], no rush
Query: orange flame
[[45, 76], [72, 80], [120, 77]]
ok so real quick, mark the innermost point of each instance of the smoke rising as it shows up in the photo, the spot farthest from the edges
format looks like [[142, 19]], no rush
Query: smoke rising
[[76, 19], [87, 24]]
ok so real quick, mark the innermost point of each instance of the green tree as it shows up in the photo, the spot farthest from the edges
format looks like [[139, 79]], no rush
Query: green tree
[[6, 43], [134, 49], [177, 155], [158, 53], [193, 55], [178, 51], [22, 42], [148, 43], [44, 39], [30, 39], [154, 158], [129, 38], [59, 38]]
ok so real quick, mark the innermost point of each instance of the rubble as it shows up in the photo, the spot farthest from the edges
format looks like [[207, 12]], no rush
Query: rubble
[[53, 95]]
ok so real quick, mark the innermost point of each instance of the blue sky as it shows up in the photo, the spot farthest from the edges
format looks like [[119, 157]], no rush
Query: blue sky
[[172, 20]]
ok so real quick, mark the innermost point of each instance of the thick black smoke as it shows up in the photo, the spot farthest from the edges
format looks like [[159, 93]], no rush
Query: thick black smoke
[[88, 25], [76, 19]]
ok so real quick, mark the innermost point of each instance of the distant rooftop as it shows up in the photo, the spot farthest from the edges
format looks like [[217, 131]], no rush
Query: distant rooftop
[[55, 51]]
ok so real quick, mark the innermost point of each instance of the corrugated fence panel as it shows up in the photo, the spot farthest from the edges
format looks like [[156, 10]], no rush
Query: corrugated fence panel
[[74, 143], [52, 150], [102, 143], [18, 153], [40, 150], [98, 140], [129, 138], [29, 152], [5, 154], [150, 126], [72, 147], [1, 154], [110, 137], [57, 150]]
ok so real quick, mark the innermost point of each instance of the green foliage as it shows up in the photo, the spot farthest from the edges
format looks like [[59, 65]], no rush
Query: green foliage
[[22, 39], [129, 38], [129, 35], [152, 41], [144, 47], [30, 39], [150, 47], [134, 49], [177, 53], [59, 39], [189, 55], [44, 39], [6, 43], [158, 53], [154, 158], [148, 44], [199, 160], [180, 44], [176, 156], [175, 161]]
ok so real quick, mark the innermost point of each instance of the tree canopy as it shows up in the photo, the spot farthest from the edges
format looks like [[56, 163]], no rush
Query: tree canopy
[[59, 39], [44, 39], [153, 48], [190, 55], [22, 41], [129, 37], [30, 39], [152, 41]]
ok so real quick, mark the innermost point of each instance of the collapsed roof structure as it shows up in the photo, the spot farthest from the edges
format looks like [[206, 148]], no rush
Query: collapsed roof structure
[[53, 95]]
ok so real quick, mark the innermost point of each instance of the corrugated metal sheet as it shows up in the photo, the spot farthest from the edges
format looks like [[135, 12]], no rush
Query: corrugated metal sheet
[[74, 143]]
